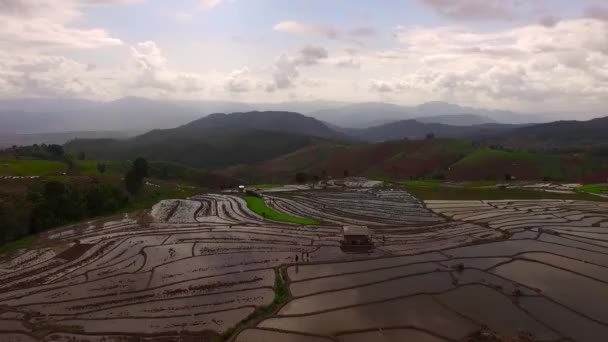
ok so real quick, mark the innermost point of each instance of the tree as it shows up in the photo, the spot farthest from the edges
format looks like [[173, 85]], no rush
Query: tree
[[101, 167], [55, 150], [345, 173], [134, 179], [301, 177], [141, 168], [430, 136], [81, 156]]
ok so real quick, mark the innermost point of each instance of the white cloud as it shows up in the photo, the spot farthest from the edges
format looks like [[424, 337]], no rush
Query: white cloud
[[297, 27], [151, 71], [477, 9], [285, 68], [46, 24], [284, 73], [564, 64], [210, 4], [43, 75], [327, 31], [239, 81], [348, 62]]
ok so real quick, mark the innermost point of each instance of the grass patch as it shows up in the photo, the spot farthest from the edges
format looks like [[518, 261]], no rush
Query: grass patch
[[148, 197], [480, 184], [422, 183], [593, 188], [456, 193], [22, 167], [281, 296], [264, 186], [17, 244], [258, 206]]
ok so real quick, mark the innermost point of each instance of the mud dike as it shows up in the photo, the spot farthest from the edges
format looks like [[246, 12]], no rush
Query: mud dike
[[440, 271]]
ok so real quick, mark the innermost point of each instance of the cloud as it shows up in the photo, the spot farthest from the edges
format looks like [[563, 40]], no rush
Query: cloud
[[364, 31], [348, 62], [477, 9], [284, 72], [285, 68], [210, 4], [238, 81], [46, 24], [329, 32], [383, 86], [37, 75], [151, 70], [297, 27], [549, 20], [311, 55], [597, 12], [563, 64]]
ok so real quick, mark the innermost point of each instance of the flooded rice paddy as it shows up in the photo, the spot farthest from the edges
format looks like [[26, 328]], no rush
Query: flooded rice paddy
[[439, 271]]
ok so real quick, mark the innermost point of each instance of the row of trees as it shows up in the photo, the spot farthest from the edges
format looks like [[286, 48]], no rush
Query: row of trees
[[56, 203]]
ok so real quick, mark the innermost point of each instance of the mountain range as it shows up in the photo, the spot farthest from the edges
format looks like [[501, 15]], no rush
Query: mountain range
[[221, 140], [28, 116]]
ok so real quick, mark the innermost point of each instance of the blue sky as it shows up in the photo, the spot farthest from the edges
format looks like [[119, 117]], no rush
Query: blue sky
[[537, 55]]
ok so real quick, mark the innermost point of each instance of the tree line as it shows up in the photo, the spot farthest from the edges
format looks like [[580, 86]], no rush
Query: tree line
[[54, 203]]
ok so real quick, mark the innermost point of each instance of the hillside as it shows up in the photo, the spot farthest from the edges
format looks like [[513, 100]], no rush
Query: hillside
[[559, 135], [413, 129], [457, 119], [451, 159], [215, 141]]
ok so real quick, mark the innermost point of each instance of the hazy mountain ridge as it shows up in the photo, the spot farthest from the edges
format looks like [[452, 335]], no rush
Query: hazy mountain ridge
[[364, 115], [413, 129], [216, 140], [141, 114]]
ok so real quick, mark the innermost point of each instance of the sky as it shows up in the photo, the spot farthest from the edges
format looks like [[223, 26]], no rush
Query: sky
[[523, 55]]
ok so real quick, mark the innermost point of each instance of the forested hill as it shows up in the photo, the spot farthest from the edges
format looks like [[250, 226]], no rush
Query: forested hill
[[581, 135], [215, 141]]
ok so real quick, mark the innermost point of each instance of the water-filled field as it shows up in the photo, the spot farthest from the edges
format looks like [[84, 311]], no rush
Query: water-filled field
[[199, 268]]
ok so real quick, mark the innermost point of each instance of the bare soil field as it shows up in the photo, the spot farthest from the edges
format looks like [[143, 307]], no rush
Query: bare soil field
[[209, 269]]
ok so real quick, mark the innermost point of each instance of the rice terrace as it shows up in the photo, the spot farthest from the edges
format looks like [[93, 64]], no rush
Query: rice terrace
[[208, 268]]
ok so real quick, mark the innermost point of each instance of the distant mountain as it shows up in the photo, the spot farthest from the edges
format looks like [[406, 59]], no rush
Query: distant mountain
[[45, 104], [457, 119], [60, 138], [413, 129], [364, 115], [559, 134], [126, 114], [217, 140], [41, 115]]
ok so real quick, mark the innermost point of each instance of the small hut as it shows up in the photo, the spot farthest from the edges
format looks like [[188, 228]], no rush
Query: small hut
[[356, 236]]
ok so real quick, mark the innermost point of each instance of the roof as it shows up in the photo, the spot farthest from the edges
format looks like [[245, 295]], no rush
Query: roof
[[355, 230]]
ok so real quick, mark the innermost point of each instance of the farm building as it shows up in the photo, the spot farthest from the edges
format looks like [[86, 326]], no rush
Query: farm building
[[356, 235]]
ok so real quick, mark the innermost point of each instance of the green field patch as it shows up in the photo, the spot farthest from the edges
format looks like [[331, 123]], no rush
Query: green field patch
[[17, 244], [22, 167], [460, 193], [258, 206], [422, 184], [593, 188], [264, 186]]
